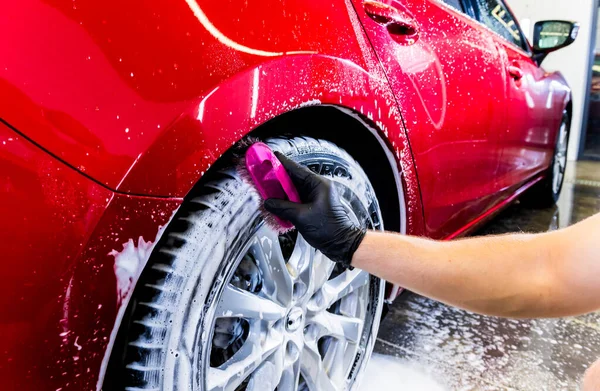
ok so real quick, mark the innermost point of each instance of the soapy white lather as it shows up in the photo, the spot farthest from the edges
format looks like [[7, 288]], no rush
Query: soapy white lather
[[130, 262], [128, 265], [385, 373], [312, 102], [265, 378]]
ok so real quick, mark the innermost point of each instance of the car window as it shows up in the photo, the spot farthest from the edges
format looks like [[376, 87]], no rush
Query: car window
[[456, 4], [596, 66], [494, 14]]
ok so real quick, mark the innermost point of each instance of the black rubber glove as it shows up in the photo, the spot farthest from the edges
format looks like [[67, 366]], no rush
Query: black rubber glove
[[321, 218]]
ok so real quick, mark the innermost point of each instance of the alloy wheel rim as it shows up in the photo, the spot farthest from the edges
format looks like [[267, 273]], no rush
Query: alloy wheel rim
[[302, 319], [560, 159]]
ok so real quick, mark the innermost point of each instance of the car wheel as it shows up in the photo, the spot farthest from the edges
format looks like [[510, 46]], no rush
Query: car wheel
[[545, 193], [225, 303]]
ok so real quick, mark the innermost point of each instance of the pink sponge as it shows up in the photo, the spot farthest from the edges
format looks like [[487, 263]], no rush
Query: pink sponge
[[270, 178]]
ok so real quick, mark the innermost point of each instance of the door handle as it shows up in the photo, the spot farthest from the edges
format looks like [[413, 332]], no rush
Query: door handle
[[400, 25], [515, 72]]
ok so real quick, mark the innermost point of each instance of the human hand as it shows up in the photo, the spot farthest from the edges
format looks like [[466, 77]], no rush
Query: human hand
[[321, 218]]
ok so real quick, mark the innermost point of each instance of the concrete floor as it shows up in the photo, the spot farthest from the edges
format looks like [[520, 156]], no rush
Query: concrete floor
[[426, 346]]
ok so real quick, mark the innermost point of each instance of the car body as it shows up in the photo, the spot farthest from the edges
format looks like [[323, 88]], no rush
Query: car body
[[112, 111]]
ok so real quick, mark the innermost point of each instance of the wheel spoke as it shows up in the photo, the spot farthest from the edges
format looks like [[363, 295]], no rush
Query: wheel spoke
[[334, 362], [268, 375], [338, 326], [313, 371], [301, 260], [271, 262], [322, 268], [239, 303], [557, 171], [245, 361], [560, 158], [290, 377], [563, 138], [563, 163], [339, 287], [562, 150]]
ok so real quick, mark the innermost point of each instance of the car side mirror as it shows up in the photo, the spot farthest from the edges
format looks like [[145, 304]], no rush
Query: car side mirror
[[551, 35]]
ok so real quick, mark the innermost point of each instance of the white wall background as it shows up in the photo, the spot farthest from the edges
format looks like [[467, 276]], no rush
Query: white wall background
[[572, 61]]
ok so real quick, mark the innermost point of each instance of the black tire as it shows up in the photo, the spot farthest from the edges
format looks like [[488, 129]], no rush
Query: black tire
[[545, 193], [169, 336]]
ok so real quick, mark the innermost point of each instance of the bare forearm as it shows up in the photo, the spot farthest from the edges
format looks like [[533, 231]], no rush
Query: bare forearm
[[551, 274], [501, 275]]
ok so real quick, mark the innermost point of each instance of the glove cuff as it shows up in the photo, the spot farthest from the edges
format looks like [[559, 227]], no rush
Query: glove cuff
[[355, 239]]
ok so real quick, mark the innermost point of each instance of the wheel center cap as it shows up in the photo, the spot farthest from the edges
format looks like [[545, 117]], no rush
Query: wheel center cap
[[294, 319]]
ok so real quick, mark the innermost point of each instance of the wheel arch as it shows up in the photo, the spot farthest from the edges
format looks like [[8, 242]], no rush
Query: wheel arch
[[372, 153], [318, 96], [569, 107]]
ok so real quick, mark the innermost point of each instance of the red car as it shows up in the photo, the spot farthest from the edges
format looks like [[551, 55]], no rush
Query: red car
[[134, 257]]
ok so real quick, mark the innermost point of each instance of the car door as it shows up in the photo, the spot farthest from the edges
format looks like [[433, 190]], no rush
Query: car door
[[449, 82], [526, 142]]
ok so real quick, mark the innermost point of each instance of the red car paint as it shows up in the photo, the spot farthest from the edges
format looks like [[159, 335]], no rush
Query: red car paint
[[111, 111]]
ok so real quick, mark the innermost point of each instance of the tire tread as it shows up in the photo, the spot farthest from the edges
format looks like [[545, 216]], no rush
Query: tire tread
[[202, 213]]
